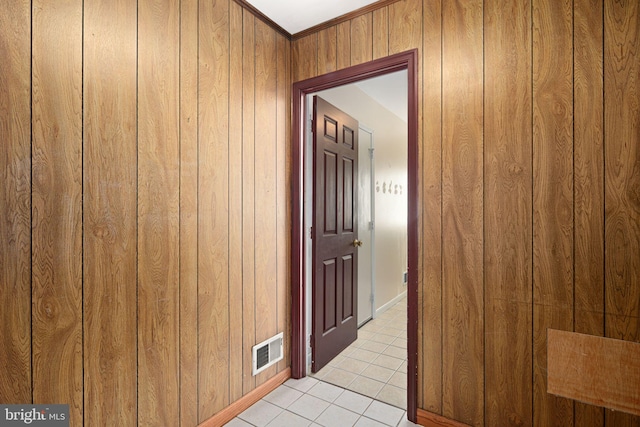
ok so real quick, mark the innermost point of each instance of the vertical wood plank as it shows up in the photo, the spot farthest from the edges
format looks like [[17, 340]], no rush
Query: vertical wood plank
[[235, 203], [405, 25], [430, 326], [589, 180], [622, 159], [362, 39], [622, 180], [283, 194], [552, 193], [343, 51], [381, 32], [305, 57], [589, 166], [553, 181], [57, 205], [188, 212], [462, 251], [265, 189], [158, 212], [109, 196], [15, 202], [507, 219], [327, 44], [248, 199], [213, 201]]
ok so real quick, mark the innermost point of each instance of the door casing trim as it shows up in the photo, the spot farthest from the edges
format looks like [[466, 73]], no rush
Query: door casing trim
[[402, 61]]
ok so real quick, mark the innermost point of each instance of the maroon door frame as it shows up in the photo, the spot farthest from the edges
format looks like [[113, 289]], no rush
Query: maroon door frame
[[402, 61]]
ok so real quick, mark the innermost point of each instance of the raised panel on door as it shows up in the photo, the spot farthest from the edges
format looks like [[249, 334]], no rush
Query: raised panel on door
[[330, 193], [348, 280], [348, 219], [330, 281]]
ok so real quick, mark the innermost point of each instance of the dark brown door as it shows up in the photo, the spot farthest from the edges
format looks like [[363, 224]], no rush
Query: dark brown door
[[334, 236]]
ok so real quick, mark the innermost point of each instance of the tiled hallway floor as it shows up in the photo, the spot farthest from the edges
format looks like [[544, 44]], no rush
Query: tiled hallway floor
[[375, 365], [365, 386]]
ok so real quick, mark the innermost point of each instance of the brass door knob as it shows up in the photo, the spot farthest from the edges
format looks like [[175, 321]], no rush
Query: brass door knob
[[357, 243]]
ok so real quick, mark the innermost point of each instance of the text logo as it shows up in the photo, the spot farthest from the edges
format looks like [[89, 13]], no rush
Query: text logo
[[34, 415]]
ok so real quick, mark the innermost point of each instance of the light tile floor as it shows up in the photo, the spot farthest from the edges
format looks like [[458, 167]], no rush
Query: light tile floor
[[310, 402], [375, 365], [368, 390]]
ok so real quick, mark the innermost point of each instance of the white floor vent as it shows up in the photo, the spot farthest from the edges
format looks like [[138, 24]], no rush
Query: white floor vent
[[267, 353]]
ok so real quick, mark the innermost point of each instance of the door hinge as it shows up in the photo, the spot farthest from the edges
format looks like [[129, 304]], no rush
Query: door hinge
[[311, 233], [371, 225], [371, 152]]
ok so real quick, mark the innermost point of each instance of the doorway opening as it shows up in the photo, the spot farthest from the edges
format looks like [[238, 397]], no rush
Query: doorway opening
[[404, 61]]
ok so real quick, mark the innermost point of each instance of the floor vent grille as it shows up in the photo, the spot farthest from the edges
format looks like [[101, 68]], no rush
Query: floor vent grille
[[267, 353]]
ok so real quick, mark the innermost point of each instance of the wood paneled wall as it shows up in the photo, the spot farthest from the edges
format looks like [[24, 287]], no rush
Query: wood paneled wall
[[530, 189], [144, 206], [145, 188]]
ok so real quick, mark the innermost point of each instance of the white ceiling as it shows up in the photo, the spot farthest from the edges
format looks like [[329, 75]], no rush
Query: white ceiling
[[298, 15]]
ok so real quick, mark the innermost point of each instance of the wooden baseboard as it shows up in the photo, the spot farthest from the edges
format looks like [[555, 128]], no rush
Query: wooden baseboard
[[239, 406], [429, 419]]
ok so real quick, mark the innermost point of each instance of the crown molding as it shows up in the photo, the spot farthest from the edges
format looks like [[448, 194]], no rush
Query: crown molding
[[340, 19], [264, 18]]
